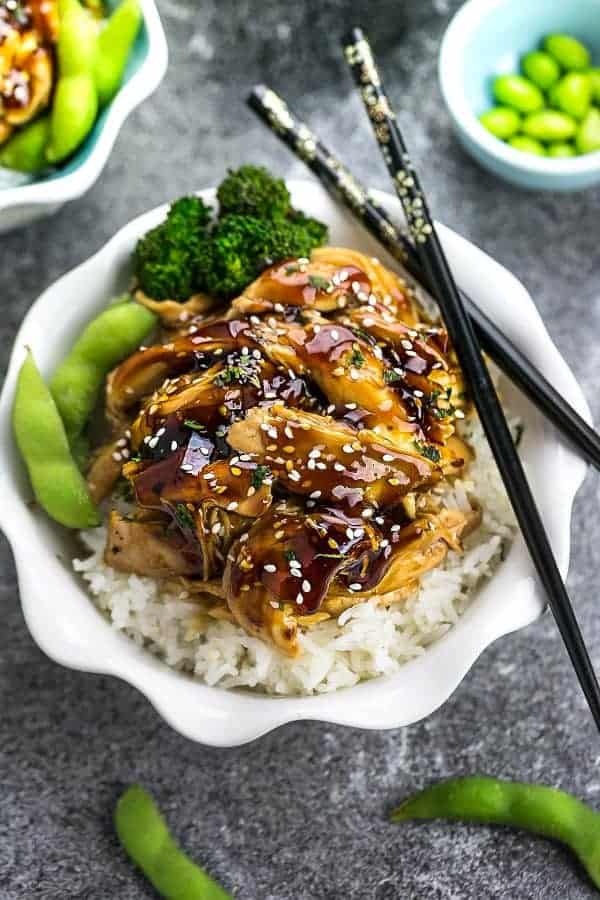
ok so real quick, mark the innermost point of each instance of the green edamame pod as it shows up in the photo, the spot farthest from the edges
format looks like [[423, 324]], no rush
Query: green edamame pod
[[562, 149], [26, 150], [567, 51], [537, 808], [144, 835], [75, 104], [57, 483], [108, 339], [501, 121], [573, 94], [594, 76], [588, 136], [527, 145], [114, 43], [518, 93], [74, 112], [541, 68], [549, 125]]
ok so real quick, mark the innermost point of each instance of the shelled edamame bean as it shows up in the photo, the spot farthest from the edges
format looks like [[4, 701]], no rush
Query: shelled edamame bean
[[551, 108]]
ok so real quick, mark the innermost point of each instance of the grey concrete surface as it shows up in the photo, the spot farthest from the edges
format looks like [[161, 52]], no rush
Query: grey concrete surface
[[301, 814]]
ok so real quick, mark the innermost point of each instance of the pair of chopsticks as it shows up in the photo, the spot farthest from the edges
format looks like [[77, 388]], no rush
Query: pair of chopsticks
[[421, 253]]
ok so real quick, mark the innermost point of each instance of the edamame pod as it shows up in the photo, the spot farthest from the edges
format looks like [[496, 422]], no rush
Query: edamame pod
[[501, 121], [57, 483], [75, 104], [537, 808], [518, 93], [144, 835], [74, 112], [26, 150], [588, 136], [527, 145], [114, 43], [567, 51], [541, 68], [573, 94], [108, 339], [594, 76], [549, 125], [562, 150]]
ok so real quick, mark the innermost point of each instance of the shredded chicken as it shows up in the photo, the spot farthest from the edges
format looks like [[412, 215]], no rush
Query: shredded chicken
[[283, 457]]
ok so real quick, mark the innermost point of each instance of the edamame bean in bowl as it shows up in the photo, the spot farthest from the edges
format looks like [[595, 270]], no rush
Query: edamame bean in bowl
[[294, 491]]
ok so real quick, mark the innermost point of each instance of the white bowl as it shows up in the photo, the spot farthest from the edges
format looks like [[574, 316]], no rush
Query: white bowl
[[24, 199], [67, 626]]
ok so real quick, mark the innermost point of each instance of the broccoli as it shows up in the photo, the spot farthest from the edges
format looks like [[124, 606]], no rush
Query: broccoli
[[257, 227], [242, 246], [253, 191], [166, 258]]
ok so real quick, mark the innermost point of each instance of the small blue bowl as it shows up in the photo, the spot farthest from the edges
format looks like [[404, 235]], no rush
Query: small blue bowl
[[488, 38]]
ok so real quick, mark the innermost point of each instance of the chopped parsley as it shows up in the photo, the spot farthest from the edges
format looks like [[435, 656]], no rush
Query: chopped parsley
[[357, 359], [442, 412], [259, 475], [428, 451], [389, 376], [195, 426], [330, 556], [243, 371], [184, 517], [319, 283], [361, 333], [289, 555], [292, 269]]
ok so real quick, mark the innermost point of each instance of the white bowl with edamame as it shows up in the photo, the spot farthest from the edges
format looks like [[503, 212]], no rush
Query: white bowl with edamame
[[490, 38]]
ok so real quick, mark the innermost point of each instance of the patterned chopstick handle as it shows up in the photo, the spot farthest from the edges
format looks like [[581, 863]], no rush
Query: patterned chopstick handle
[[305, 145], [359, 57]]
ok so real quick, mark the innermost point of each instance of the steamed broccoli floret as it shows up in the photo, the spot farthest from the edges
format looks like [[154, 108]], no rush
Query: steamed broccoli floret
[[242, 246], [166, 259], [253, 191]]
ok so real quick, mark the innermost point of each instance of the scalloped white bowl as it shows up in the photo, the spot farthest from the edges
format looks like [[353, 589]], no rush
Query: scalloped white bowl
[[23, 199], [67, 626]]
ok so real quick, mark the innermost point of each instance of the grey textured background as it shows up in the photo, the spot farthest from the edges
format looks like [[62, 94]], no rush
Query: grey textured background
[[301, 813]]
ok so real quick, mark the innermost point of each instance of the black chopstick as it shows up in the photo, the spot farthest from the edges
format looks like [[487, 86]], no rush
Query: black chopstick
[[340, 182], [422, 229]]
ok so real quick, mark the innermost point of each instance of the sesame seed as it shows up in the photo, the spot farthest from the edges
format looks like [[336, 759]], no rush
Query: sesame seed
[[233, 505], [208, 476], [306, 586], [187, 467], [299, 599], [296, 573], [315, 495], [289, 448], [330, 408], [388, 457], [235, 470], [269, 567], [294, 475], [216, 528], [410, 353], [314, 454], [122, 442], [367, 513], [153, 442], [418, 393], [355, 586], [116, 456], [274, 604], [174, 446], [279, 534], [350, 405], [394, 529], [354, 374], [459, 414], [243, 537], [288, 432], [338, 371]]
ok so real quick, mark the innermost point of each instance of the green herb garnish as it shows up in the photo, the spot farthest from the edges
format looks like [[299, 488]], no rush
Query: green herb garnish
[[242, 372], [330, 556], [289, 555], [319, 283], [184, 517], [357, 359], [291, 270], [389, 376], [442, 412], [259, 475], [429, 452], [195, 426]]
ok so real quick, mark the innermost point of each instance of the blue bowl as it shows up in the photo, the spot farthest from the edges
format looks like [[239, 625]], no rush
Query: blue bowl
[[488, 38]]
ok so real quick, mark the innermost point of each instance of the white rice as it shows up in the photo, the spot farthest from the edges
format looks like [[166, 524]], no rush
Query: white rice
[[364, 642]]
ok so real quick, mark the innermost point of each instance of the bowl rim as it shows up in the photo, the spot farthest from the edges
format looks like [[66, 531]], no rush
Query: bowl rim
[[461, 26], [224, 718], [140, 86]]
